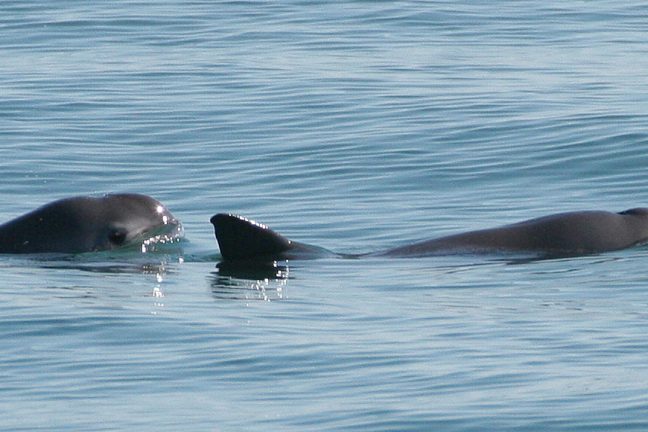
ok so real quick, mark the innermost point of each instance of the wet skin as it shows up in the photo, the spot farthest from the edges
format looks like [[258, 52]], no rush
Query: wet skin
[[89, 224], [563, 234]]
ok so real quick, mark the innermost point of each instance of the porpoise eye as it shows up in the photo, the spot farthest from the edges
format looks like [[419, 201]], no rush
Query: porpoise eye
[[117, 237]]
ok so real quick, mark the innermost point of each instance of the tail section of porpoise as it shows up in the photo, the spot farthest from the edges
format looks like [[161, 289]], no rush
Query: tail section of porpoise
[[242, 239]]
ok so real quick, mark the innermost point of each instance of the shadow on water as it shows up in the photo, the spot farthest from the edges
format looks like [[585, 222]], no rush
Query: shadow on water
[[249, 281]]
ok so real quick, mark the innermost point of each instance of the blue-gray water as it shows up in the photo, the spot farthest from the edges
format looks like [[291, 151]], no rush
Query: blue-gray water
[[356, 126]]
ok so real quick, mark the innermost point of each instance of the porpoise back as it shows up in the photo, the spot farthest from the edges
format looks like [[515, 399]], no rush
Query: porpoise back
[[242, 239], [562, 234]]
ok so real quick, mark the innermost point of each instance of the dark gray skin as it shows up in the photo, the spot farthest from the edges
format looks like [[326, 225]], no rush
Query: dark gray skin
[[572, 234], [89, 224], [559, 235]]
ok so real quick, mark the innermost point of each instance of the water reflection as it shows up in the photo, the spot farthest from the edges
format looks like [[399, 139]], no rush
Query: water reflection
[[158, 266], [249, 281]]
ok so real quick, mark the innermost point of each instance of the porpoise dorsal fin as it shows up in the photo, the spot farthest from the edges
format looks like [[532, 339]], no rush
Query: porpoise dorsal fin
[[240, 238]]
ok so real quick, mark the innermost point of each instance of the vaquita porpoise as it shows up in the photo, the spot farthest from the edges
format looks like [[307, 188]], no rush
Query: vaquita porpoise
[[557, 235], [90, 224]]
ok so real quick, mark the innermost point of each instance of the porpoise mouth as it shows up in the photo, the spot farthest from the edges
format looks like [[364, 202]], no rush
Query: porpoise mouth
[[169, 233], [156, 238]]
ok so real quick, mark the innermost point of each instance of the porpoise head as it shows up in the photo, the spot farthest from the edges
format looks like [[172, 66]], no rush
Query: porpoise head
[[135, 220], [89, 224]]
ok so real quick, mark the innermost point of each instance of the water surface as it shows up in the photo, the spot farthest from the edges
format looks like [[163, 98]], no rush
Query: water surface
[[357, 126]]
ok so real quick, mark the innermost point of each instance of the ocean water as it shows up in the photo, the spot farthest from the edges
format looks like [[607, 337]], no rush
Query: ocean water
[[356, 126]]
